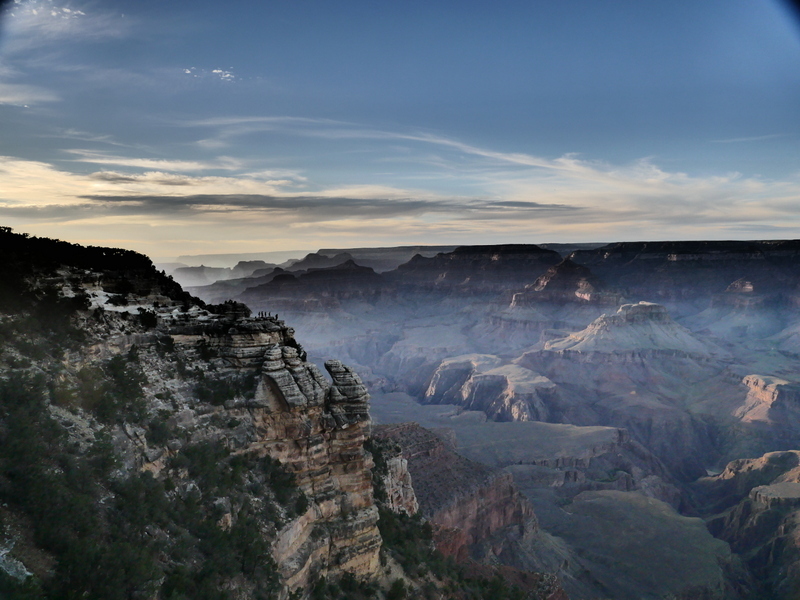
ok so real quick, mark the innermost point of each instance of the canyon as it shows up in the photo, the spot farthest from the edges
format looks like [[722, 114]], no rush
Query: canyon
[[609, 376], [195, 452], [584, 422]]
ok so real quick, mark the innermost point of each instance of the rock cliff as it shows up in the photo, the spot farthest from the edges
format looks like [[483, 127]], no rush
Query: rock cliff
[[635, 329], [471, 503], [566, 282], [759, 500], [505, 392], [771, 400]]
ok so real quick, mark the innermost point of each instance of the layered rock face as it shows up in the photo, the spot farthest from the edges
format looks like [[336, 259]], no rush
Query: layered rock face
[[482, 382], [681, 271], [638, 363], [317, 429], [642, 329], [566, 282], [772, 401], [397, 484], [475, 269], [472, 503], [760, 518], [627, 369]]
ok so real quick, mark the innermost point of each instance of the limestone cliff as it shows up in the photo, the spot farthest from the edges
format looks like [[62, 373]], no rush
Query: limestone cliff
[[759, 500], [505, 392], [770, 400], [471, 503], [251, 393], [317, 429]]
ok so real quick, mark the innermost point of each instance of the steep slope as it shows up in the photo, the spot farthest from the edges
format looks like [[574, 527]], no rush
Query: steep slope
[[475, 269], [214, 413], [759, 501], [642, 329], [470, 502]]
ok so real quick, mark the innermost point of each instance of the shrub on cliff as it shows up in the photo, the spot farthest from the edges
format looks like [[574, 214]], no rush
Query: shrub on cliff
[[113, 392], [116, 537], [218, 390]]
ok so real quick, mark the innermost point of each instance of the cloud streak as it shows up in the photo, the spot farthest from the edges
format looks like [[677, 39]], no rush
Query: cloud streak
[[755, 138], [221, 163], [19, 94], [464, 193]]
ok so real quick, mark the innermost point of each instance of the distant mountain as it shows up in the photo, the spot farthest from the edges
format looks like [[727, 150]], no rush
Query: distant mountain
[[228, 260], [386, 259]]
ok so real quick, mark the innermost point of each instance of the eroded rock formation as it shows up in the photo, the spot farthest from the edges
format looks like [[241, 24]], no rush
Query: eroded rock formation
[[470, 502], [759, 504], [770, 400], [317, 429], [505, 392]]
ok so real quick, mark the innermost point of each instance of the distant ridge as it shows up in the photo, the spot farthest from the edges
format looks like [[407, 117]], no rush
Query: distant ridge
[[228, 260]]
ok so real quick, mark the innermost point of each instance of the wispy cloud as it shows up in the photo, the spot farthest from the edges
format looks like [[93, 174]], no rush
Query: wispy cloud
[[226, 75], [92, 156], [755, 138], [40, 23], [461, 193], [23, 95]]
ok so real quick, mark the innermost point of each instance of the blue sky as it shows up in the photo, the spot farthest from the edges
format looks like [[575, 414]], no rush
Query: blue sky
[[197, 127]]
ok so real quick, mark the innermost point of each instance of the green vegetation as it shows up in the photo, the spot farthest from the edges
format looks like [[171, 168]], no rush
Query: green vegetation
[[219, 390], [347, 588], [120, 538], [113, 391]]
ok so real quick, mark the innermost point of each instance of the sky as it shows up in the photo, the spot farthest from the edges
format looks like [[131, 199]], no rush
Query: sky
[[205, 127]]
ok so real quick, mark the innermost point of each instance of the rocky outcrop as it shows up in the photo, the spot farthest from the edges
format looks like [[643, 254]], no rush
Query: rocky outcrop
[[566, 282], [643, 329], [770, 400], [785, 494], [314, 425], [505, 392], [470, 502], [724, 490], [400, 494], [761, 517], [317, 429]]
